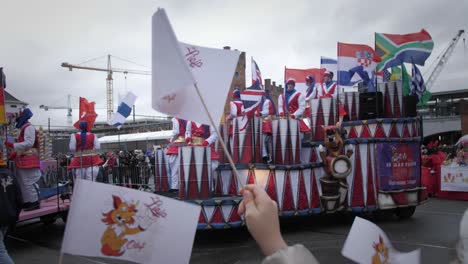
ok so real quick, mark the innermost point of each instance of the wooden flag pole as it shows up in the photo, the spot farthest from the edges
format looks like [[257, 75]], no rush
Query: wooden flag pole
[[221, 141], [60, 260]]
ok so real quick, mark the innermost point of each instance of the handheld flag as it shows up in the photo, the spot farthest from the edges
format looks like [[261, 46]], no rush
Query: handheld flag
[[256, 75], [350, 58], [367, 243], [123, 111], [87, 114], [396, 49], [177, 67], [127, 224]]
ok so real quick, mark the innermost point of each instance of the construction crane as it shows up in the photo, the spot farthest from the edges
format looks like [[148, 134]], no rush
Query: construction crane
[[443, 59], [109, 79], [68, 107]]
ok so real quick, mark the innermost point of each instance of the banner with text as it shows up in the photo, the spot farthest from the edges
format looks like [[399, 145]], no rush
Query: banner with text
[[398, 165], [454, 179]]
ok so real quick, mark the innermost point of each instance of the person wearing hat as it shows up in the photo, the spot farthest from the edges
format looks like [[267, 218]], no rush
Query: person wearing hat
[[86, 161], [292, 103], [179, 138], [312, 90], [26, 159], [329, 89], [267, 111]]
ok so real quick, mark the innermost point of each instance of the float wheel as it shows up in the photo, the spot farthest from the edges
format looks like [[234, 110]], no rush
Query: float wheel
[[405, 212]]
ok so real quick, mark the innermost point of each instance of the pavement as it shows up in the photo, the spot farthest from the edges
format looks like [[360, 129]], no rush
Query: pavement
[[433, 228]]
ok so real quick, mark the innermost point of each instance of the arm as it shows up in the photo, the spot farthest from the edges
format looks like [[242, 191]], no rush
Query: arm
[[233, 111], [265, 111], [280, 105], [175, 129], [261, 216], [97, 144], [29, 138], [213, 137], [188, 130], [302, 104], [72, 144]]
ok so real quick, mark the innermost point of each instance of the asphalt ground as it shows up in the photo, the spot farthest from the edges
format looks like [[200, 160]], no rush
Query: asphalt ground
[[434, 228]]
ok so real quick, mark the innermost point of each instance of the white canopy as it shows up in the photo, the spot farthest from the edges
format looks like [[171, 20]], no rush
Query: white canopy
[[165, 134]]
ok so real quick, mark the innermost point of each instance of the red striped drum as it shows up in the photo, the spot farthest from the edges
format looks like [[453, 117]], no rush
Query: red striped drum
[[242, 140], [195, 172], [286, 141]]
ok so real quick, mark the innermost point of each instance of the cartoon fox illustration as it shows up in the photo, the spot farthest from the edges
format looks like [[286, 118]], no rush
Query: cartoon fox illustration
[[118, 220], [381, 252]]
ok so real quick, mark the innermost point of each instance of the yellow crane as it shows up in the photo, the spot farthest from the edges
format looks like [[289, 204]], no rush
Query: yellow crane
[[109, 79]]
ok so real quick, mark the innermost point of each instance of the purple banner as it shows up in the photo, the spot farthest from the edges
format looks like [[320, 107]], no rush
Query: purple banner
[[398, 165]]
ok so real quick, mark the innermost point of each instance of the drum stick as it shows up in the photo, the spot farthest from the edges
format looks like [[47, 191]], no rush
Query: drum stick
[[221, 141]]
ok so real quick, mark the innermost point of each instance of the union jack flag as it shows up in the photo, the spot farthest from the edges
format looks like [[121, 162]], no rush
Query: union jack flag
[[251, 98], [256, 75]]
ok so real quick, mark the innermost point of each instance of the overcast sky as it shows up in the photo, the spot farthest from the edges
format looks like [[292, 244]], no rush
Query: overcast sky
[[37, 36]]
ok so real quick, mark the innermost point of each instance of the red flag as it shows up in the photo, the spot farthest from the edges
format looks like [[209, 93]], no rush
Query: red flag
[[299, 75], [87, 114]]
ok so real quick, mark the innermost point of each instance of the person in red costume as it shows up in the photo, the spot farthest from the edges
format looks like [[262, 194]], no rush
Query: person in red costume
[[204, 135], [236, 110], [329, 89], [178, 138], [292, 103], [268, 110], [26, 160], [86, 160]]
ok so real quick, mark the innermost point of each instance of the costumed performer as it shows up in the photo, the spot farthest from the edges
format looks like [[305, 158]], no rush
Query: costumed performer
[[86, 160], [26, 158]]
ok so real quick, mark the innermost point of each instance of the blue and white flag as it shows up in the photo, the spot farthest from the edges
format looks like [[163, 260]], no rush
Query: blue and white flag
[[123, 111], [330, 65], [256, 75], [417, 83]]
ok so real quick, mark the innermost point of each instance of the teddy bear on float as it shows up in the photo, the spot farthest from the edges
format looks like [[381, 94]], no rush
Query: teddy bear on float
[[336, 166]]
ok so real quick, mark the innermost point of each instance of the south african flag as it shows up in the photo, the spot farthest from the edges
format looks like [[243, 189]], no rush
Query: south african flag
[[397, 49]]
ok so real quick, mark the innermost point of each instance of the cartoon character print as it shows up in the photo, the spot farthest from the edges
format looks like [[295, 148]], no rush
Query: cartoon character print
[[118, 221], [381, 252]]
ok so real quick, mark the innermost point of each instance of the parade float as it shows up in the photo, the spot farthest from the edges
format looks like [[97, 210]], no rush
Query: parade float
[[368, 165]]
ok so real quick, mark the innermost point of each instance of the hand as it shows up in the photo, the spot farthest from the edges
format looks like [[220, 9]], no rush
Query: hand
[[261, 216], [8, 144], [205, 143], [293, 116], [188, 139], [257, 114]]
